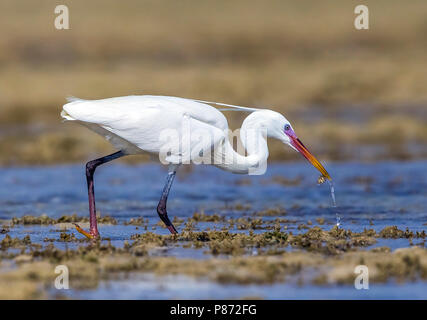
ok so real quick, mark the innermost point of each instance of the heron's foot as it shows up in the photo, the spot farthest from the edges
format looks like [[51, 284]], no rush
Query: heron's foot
[[92, 235], [164, 217]]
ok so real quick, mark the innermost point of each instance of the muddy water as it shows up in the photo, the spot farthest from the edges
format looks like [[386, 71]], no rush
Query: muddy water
[[368, 195]]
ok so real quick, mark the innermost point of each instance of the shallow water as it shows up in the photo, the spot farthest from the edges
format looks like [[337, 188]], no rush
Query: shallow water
[[368, 196]]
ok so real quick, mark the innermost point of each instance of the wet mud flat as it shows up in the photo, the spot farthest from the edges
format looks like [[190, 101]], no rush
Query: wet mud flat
[[266, 237]]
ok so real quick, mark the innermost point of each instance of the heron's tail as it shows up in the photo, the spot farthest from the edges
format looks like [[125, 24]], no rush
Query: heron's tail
[[64, 114]]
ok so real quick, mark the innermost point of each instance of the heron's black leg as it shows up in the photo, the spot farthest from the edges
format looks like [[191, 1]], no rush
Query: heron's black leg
[[90, 170], [161, 207]]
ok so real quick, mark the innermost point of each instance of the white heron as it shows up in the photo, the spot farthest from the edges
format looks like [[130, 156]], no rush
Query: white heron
[[134, 124]]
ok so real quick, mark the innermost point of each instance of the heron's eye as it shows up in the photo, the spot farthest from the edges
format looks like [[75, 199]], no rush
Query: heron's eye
[[287, 127]]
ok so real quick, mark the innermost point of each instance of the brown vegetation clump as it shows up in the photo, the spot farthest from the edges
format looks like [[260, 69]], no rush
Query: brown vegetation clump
[[252, 258], [45, 220]]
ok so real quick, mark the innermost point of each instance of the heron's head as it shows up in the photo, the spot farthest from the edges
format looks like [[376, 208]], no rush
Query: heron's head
[[280, 128]]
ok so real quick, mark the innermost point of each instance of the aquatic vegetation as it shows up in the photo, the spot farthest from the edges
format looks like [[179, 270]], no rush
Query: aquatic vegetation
[[254, 258], [67, 237], [248, 223], [4, 229], [198, 217], [9, 242], [270, 212], [136, 222], [394, 232], [320, 221], [46, 220], [93, 263], [43, 219]]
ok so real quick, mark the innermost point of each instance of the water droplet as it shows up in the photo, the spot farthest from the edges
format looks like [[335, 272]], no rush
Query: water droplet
[[334, 203]]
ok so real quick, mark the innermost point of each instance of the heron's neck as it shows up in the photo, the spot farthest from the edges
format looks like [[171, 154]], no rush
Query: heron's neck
[[254, 141]]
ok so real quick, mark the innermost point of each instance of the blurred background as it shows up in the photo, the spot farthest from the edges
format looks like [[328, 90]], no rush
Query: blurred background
[[350, 94]]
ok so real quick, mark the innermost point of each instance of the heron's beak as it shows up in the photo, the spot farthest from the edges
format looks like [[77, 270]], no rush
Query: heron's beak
[[297, 144]]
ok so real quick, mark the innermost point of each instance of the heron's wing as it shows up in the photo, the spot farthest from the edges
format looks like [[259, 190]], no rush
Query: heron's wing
[[195, 109], [122, 110], [147, 121]]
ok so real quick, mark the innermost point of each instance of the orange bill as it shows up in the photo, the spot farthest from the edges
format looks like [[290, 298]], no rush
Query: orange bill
[[303, 150]]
